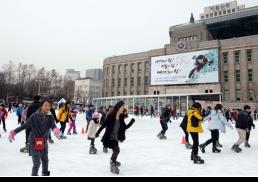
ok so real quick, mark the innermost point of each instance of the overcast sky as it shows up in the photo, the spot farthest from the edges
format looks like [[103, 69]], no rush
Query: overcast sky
[[79, 34]]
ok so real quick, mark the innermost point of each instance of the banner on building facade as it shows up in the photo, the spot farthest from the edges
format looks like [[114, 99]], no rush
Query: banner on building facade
[[197, 67]]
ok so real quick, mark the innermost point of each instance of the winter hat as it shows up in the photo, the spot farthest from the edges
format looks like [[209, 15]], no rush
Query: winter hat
[[197, 105], [95, 115]]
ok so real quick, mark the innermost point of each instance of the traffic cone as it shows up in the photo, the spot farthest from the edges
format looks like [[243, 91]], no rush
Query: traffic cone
[[83, 130], [183, 141]]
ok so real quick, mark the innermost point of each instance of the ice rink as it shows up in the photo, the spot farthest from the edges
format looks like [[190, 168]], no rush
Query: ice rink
[[142, 154]]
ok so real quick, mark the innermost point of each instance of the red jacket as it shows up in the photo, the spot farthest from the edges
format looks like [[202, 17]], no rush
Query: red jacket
[[4, 114]]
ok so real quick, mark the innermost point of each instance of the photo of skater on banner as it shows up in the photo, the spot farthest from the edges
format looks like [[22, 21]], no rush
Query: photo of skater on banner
[[186, 68]]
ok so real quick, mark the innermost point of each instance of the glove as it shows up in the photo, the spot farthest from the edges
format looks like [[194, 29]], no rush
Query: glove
[[132, 120], [11, 136], [56, 132]]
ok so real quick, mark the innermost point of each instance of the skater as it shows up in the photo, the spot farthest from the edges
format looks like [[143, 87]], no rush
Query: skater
[[19, 112], [142, 111], [228, 115], [183, 125], [72, 121], [217, 123], [194, 127], [31, 110], [103, 112], [4, 115], [92, 130], [40, 122], [255, 115], [115, 131], [24, 115], [152, 112], [242, 126], [164, 119], [64, 116], [89, 114], [250, 125]]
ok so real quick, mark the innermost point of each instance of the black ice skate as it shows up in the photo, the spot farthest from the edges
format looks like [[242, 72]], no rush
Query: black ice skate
[[218, 145], [247, 145], [236, 148], [113, 168], [105, 150], [215, 150], [198, 160], [162, 137], [117, 164], [93, 150], [51, 141], [46, 173], [188, 146], [68, 133], [202, 148], [25, 149]]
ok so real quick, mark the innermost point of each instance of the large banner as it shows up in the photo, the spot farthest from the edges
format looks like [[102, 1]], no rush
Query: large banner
[[186, 68]]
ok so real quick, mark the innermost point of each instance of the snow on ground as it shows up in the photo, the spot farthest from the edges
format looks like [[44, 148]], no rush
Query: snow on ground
[[142, 154]]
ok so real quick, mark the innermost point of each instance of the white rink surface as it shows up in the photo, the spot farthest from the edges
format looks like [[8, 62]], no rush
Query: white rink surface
[[142, 154]]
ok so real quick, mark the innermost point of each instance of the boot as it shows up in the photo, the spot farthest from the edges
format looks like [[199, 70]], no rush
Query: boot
[[159, 135], [63, 137], [215, 150], [202, 148], [117, 164], [247, 145], [198, 160], [68, 133], [105, 150], [25, 149], [162, 137], [46, 173], [188, 146], [236, 148], [93, 150], [113, 168], [75, 133], [219, 145]]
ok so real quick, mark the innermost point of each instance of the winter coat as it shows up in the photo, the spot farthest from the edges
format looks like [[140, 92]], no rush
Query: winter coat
[[152, 109], [218, 121], [242, 121], [89, 114], [24, 114], [194, 124], [64, 114], [34, 107], [19, 111], [103, 117], [165, 116], [92, 130], [39, 124], [4, 114], [109, 125]]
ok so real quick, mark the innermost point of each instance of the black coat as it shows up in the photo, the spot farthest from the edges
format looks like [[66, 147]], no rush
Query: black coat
[[165, 116], [34, 107], [102, 119], [109, 125], [242, 121]]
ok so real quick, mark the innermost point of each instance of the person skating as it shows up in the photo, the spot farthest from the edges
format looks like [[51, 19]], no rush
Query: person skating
[[89, 113], [194, 127], [164, 119], [115, 131], [242, 126], [4, 115], [152, 112], [250, 126], [40, 122], [19, 112], [24, 115], [74, 112], [217, 123], [103, 111], [183, 125], [31, 110], [255, 115], [92, 130], [64, 116]]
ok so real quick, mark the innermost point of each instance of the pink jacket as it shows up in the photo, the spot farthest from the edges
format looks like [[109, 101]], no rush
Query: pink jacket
[[92, 130]]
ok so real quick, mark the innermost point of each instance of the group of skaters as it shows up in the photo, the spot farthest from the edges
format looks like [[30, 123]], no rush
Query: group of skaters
[[41, 118], [217, 122]]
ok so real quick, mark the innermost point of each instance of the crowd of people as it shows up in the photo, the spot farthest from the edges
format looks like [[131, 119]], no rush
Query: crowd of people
[[40, 119]]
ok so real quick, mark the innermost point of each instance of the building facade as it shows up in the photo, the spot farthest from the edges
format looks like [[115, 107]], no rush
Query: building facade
[[235, 35], [86, 89], [96, 74], [72, 74]]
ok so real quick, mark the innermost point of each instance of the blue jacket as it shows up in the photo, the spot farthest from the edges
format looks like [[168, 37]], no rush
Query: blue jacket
[[89, 114], [19, 111], [218, 121]]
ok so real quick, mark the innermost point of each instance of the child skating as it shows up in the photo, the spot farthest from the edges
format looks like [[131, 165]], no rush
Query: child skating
[[92, 130], [164, 119], [40, 123], [72, 121]]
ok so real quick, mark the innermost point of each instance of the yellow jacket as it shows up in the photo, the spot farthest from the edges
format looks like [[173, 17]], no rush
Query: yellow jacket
[[63, 113], [194, 124]]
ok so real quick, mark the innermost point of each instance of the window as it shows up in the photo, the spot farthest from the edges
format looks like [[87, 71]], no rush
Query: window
[[249, 54], [237, 56], [132, 81], [207, 15], [147, 67], [113, 69], [220, 13], [215, 14], [224, 12], [251, 95], [113, 82], [125, 93], [131, 93], [133, 67], [139, 67], [225, 57], [125, 82], [202, 17], [139, 80], [211, 15], [118, 93], [238, 95], [107, 70], [229, 11], [238, 75], [226, 76], [195, 37], [226, 95], [250, 75], [217, 7], [119, 82], [206, 91], [227, 5], [119, 69], [233, 10], [126, 68], [146, 80], [113, 94]]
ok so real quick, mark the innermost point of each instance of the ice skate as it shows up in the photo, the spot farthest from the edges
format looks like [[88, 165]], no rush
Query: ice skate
[[51, 141], [25, 149], [117, 164], [247, 145], [219, 145], [198, 160], [215, 150], [68, 133], [237, 149], [202, 148], [188, 146], [93, 150], [105, 150], [113, 168], [75, 133]]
